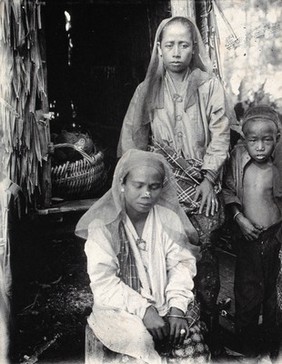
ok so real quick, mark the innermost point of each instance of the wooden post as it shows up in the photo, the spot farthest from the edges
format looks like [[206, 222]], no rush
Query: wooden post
[[46, 184], [183, 8], [94, 352]]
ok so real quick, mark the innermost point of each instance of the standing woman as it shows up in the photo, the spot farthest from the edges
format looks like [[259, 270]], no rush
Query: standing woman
[[141, 266], [179, 110]]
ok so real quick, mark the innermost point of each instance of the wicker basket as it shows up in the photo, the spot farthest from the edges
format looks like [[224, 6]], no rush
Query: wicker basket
[[83, 178]]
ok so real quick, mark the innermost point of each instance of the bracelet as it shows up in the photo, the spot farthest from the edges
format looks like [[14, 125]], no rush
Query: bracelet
[[235, 215], [209, 178], [177, 316]]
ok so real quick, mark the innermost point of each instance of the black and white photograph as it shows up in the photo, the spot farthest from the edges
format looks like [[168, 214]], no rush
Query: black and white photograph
[[140, 181]]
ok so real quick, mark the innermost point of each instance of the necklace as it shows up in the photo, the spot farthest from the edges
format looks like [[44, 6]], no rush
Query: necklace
[[177, 88], [141, 244]]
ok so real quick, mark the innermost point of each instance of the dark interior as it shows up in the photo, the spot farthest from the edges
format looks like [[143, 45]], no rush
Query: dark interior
[[111, 51]]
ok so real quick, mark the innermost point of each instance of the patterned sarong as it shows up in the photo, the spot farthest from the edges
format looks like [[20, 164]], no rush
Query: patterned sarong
[[187, 173], [128, 269], [188, 176], [194, 349]]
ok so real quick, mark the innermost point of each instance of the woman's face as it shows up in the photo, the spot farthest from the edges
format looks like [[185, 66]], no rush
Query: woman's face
[[176, 47], [142, 189]]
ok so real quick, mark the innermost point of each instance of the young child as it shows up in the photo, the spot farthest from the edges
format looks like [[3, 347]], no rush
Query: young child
[[250, 196]]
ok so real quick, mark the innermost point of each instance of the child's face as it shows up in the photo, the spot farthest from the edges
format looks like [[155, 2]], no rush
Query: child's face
[[142, 189], [176, 47], [260, 139]]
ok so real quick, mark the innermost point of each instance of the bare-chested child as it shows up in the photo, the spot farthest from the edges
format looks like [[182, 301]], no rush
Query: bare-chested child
[[249, 196]]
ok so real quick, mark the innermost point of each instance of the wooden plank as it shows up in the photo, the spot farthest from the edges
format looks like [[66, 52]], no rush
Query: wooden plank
[[94, 352], [183, 8], [46, 183], [67, 206]]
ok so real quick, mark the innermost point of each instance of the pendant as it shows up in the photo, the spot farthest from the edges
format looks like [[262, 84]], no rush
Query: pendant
[[141, 244]]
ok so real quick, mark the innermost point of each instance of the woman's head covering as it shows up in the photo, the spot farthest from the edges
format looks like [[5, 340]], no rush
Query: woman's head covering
[[110, 210], [151, 92], [200, 57]]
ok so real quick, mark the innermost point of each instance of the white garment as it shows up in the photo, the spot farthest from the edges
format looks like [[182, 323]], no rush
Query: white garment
[[118, 310]]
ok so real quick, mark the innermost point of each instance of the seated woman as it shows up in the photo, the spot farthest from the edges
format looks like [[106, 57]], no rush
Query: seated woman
[[141, 265]]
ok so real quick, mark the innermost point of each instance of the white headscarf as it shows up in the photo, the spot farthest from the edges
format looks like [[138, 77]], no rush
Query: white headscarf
[[109, 210]]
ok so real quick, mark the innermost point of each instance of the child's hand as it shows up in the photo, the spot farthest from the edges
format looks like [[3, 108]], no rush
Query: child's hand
[[155, 324], [249, 230]]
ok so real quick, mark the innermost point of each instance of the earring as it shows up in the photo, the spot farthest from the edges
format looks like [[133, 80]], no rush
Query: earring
[[122, 189]]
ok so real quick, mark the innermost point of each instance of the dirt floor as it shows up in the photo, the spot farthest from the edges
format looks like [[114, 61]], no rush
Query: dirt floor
[[51, 294]]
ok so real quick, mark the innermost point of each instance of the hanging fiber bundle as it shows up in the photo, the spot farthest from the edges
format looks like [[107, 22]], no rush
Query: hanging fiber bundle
[[22, 89]]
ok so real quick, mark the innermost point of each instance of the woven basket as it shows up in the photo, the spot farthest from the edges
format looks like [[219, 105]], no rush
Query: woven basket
[[83, 178]]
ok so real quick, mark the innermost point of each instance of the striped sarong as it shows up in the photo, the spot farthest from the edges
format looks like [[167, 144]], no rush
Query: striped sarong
[[188, 175], [128, 269]]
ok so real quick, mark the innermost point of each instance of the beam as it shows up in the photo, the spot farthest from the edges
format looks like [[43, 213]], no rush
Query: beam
[[183, 8]]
